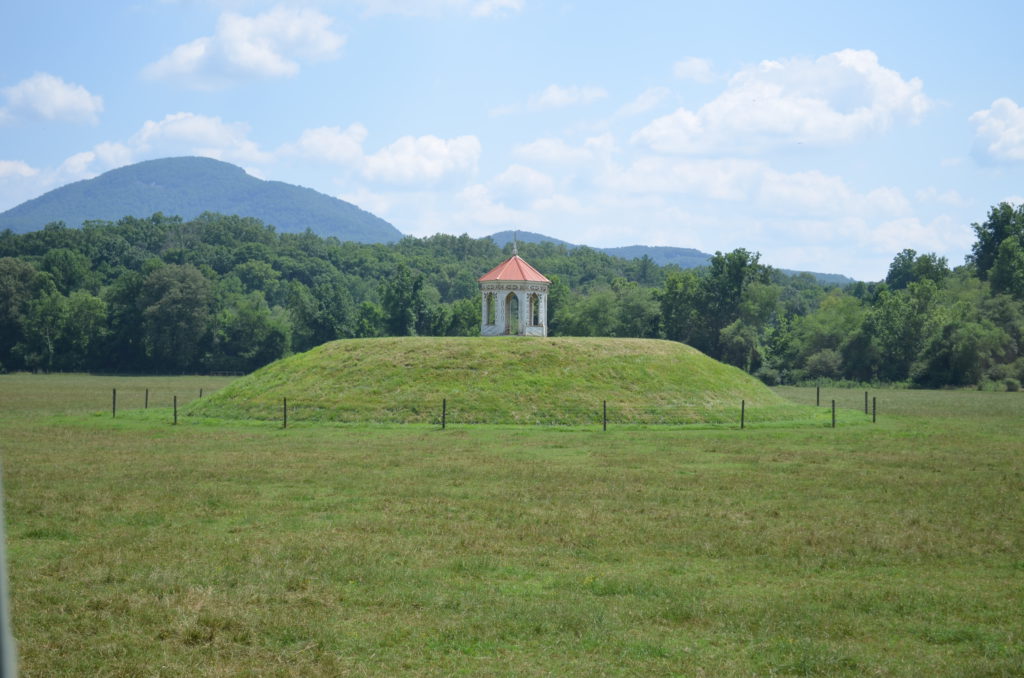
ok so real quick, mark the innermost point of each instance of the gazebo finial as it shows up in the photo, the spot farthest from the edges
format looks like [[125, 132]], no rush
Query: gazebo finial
[[515, 245]]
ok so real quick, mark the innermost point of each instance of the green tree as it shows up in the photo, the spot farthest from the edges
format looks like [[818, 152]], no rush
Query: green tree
[[593, 315], [465, 315], [1007, 273], [678, 301], [249, 335], [402, 301], [696, 308], [639, 314], [20, 283], [126, 343], [1004, 221], [370, 320], [177, 316], [44, 326], [898, 327], [908, 267], [69, 268], [85, 332]]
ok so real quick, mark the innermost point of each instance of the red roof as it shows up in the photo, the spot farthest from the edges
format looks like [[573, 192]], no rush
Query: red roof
[[514, 268]]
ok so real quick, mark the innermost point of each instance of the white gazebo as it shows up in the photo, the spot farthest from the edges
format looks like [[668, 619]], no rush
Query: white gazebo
[[514, 300]]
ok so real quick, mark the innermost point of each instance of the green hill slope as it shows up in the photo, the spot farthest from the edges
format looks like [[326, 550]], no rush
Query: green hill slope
[[499, 380], [187, 187]]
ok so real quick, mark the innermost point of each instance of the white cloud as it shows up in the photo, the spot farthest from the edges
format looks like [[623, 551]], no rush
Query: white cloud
[[475, 8], [552, 151], [723, 179], [332, 144], [520, 180], [647, 100], [834, 99], [189, 133], [478, 208], [561, 204], [376, 203], [422, 159], [812, 194], [941, 234], [932, 195], [555, 151], [694, 68], [1000, 131], [266, 45], [491, 7], [48, 97], [556, 96], [19, 181], [16, 168], [797, 195]]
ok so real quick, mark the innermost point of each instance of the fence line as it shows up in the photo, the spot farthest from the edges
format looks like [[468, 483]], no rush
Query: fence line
[[600, 412]]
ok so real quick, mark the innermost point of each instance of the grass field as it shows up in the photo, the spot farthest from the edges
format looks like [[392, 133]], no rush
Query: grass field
[[138, 548], [506, 380]]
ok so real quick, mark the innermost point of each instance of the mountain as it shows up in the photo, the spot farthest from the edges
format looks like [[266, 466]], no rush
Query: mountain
[[189, 186], [683, 257], [502, 238]]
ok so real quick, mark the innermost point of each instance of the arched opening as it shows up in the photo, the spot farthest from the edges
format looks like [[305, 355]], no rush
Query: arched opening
[[512, 313], [534, 309], [490, 308]]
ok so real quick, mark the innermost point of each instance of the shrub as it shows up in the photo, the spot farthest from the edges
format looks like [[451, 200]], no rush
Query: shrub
[[769, 375], [825, 363], [999, 372], [1012, 384]]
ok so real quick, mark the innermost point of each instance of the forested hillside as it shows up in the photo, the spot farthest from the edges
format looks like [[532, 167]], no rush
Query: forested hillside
[[190, 186], [224, 293]]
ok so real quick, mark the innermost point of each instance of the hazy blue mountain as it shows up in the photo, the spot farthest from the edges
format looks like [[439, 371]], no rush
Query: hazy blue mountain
[[683, 257], [187, 187], [502, 238], [824, 278]]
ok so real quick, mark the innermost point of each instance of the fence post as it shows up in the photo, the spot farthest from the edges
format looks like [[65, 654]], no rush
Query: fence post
[[833, 414], [817, 396], [284, 411], [145, 403], [175, 410], [604, 415], [113, 404], [743, 414], [865, 402], [874, 409], [444, 413], [200, 393]]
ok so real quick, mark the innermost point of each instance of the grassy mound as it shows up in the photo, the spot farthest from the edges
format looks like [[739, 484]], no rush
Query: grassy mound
[[499, 380]]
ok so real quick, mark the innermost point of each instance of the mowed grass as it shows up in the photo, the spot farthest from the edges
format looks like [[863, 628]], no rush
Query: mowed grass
[[138, 548], [500, 380]]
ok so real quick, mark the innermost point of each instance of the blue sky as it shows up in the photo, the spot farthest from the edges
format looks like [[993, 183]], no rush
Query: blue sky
[[825, 136]]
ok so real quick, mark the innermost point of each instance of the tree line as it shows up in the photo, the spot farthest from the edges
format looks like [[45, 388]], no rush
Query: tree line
[[227, 293]]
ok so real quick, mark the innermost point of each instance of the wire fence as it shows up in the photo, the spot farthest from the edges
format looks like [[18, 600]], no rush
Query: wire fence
[[828, 411], [448, 412]]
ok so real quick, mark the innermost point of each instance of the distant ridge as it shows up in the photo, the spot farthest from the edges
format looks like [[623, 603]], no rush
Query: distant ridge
[[189, 186], [683, 257]]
